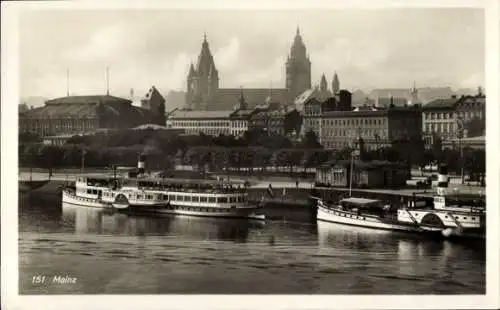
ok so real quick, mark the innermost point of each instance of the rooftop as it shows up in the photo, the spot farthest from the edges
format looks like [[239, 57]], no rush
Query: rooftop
[[453, 102], [93, 99], [199, 114], [226, 98], [83, 107]]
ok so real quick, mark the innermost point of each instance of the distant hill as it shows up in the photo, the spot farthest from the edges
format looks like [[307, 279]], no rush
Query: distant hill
[[425, 94]]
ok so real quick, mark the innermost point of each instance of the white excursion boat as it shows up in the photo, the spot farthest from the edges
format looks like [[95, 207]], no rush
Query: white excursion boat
[[445, 220], [363, 212], [142, 193], [453, 218]]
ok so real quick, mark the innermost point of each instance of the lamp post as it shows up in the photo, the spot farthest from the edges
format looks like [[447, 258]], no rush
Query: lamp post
[[83, 160], [460, 133]]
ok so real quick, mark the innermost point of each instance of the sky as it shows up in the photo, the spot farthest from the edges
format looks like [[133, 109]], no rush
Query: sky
[[377, 48]]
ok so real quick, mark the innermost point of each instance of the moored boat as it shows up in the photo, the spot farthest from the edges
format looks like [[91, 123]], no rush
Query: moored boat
[[363, 212], [143, 193], [455, 219], [442, 219]]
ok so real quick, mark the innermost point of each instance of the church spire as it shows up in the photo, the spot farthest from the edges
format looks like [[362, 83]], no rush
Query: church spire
[[191, 70], [205, 59], [335, 84], [242, 103], [323, 85]]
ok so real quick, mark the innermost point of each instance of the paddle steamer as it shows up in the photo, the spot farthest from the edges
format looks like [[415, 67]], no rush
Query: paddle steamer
[[140, 192], [454, 218], [447, 220]]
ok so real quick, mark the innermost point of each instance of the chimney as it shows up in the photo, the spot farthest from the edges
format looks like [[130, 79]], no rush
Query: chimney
[[442, 180], [141, 163]]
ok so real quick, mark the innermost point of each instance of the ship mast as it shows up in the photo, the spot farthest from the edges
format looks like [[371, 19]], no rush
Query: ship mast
[[350, 172], [354, 152]]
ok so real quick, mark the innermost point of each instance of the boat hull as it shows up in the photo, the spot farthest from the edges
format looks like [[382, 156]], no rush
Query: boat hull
[[71, 199], [347, 218], [453, 225]]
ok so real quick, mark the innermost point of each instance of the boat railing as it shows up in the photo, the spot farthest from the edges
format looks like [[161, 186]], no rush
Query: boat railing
[[195, 190]]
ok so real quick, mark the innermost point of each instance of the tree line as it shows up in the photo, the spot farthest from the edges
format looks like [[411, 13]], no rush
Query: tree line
[[256, 151]]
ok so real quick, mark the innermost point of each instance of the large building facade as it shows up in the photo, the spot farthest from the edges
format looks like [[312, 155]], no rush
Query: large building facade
[[84, 114], [313, 109], [203, 92], [377, 127], [154, 102], [212, 123], [448, 118]]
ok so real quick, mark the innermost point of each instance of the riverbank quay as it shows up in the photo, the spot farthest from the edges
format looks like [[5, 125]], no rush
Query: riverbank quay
[[283, 203], [281, 190]]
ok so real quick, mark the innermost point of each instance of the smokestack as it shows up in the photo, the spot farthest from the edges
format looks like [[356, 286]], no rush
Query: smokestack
[[141, 163], [67, 82], [443, 181], [107, 81]]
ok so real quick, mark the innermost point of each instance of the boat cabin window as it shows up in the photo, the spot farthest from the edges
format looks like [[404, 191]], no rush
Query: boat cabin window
[[97, 182], [179, 198], [211, 199], [187, 198], [233, 199], [196, 198], [222, 199], [203, 199]]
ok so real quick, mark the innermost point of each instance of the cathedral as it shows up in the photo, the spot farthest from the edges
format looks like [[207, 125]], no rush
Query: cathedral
[[203, 92]]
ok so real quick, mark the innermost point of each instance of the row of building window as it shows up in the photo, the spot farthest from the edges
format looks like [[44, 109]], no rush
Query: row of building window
[[452, 115], [59, 126], [346, 122], [364, 132], [239, 124], [440, 127], [200, 123], [355, 121], [208, 131], [180, 198]]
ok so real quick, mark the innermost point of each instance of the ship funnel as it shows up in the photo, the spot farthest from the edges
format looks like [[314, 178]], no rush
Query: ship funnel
[[141, 163], [443, 180]]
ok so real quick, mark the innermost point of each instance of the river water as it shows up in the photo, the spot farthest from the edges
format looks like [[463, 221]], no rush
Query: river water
[[96, 252]]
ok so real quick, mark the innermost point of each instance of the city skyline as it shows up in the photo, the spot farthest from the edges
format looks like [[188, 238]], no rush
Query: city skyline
[[250, 48]]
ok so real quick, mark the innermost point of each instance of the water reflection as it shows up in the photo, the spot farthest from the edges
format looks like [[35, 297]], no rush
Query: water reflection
[[351, 237], [98, 221]]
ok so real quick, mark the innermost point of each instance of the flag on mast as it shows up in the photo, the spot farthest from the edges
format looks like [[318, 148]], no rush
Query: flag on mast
[[270, 191]]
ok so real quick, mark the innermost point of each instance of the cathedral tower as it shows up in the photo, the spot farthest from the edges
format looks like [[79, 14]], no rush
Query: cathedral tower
[[298, 68], [202, 80], [335, 84]]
